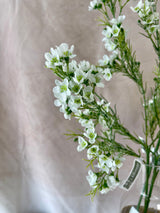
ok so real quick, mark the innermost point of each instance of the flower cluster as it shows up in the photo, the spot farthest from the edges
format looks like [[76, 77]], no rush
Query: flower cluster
[[95, 4], [75, 95], [148, 18], [111, 33], [79, 80]]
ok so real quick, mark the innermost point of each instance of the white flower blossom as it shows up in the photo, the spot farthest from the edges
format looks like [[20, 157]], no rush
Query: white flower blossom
[[104, 190], [103, 123], [117, 21], [113, 56], [104, 160], [79, 76], [84, 65], [87, 94], [96, 78], [109, 45], [107, 32], [150, 102], [151, 29], [115, 30], [86, 112], [64, 51], [75, 102], [91, 135], [118, 161], [107, 74], [106, 107], [100, 103], [92, 151], [82, 144], [75, 87], [94, 4], [104, 61], [78, 113], [72, 67], [52, 59], [151, 19], [138, 7], [91, 178], [111, 182], [61, 91], [103, 167], [66, 110], [86, 123]]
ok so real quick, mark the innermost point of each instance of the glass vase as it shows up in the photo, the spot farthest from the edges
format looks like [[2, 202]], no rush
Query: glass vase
[[144, 195]]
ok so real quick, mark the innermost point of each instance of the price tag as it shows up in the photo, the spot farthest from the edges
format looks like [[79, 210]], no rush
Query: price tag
[[132, 176]]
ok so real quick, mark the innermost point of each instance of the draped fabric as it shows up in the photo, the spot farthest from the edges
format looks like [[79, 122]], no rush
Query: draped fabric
[[40, 169]]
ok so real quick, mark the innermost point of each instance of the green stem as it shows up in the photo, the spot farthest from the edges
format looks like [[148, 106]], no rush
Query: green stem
[[142, 194], [155, 173]]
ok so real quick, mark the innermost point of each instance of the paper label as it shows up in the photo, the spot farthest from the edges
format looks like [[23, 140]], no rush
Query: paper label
[[132, 176]]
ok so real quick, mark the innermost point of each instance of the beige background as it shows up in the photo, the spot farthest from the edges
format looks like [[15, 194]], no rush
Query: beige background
[[40, 170]]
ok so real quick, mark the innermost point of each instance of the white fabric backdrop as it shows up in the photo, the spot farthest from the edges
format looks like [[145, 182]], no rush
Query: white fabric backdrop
[[40, 170]]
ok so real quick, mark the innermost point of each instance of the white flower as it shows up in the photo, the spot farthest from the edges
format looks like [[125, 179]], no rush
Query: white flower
[[150, 102], [72, 67], [82, 144], [111, 182], [104, 160], [155, 16], [103, 123], [100, 103], [151, 29], [64, 51], [79, 76], [95, 76], [58, 103], [84, 65], [75, 87], [86, 112], [117, 21], [86, 123], [103, 167], [92, 178], [94, 4], [104, 190], [107, 74], [92, 151], [75, 102], [91, 135], [107, 32], [104, 61], [113, 56], [66, 110], [87, 94], [106, 107], [52, 59], [61, 91], [78, 113], [118, 162], [138, 7], [151, 19], [109, 45], [115, 30]]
